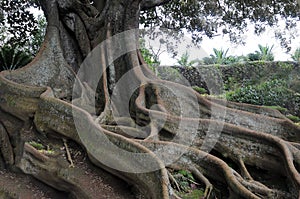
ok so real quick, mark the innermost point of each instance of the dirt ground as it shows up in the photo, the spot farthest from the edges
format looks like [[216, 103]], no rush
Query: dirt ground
[[99, 183]]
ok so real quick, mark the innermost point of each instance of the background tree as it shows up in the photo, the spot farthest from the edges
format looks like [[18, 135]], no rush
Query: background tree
[[220, 56], [52, 101], [263, 54], [21, 34], [184, 60], [19, 21]]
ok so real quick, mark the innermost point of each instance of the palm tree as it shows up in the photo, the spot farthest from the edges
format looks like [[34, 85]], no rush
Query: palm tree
[[184, 60], [220, 56], [296, 55], [12, 58], [265, 53]]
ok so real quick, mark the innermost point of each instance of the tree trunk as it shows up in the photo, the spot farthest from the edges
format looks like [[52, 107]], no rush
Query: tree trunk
[[89, 92]]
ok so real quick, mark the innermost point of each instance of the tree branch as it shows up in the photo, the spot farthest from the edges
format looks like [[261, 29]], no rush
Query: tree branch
[[148, 4]]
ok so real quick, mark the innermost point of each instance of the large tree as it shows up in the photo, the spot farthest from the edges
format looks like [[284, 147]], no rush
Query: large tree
[[89, 85]]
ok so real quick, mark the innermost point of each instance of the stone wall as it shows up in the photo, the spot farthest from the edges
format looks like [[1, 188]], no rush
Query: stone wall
[[239, 73], [217, 79]]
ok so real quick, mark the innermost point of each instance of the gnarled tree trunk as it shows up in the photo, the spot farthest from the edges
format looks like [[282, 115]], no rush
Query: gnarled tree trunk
[[128, 121]]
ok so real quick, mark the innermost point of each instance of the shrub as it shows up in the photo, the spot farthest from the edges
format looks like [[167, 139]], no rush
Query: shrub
[[273, 92]]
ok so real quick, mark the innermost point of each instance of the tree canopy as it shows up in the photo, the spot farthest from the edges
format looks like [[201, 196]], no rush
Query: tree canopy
[[199, 17], [19, 22], [232, 17]]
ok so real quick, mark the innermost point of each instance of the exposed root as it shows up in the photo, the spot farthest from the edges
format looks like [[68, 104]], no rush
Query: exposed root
[[202, 178], [244, 170]]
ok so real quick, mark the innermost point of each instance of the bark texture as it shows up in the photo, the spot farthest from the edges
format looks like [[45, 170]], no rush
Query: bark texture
[[38, 102]]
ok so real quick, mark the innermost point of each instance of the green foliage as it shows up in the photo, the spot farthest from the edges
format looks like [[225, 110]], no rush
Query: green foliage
[[265, 53], [296, 55], [184, 179], [194, 194], [34, 44], [21, 30], [200, 90], [13, 58], [184, 60], [278, 108], [295, 119], [36, 145], [21, 34], [208, 61], [235, 59], [253, 57], [150, 58], [188, 186], [273, 92], [19, 22], [41, 148], [186, 174], [220, 56]]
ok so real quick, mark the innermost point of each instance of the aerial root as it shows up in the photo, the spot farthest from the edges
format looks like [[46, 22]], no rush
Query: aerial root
[[195, 170], [208, 186], [154, 132], [260, 189], [126, 131], [244, 170]]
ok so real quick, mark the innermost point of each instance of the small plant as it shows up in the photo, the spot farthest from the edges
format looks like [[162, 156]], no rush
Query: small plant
[[149, 56], [36, 145], [184, 60], [294, 118], [263, 54], [189, 188], [296, 55], [269, 93], [47, 152], [220, 56], [41, 148], [200, 90], [194, 194]]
